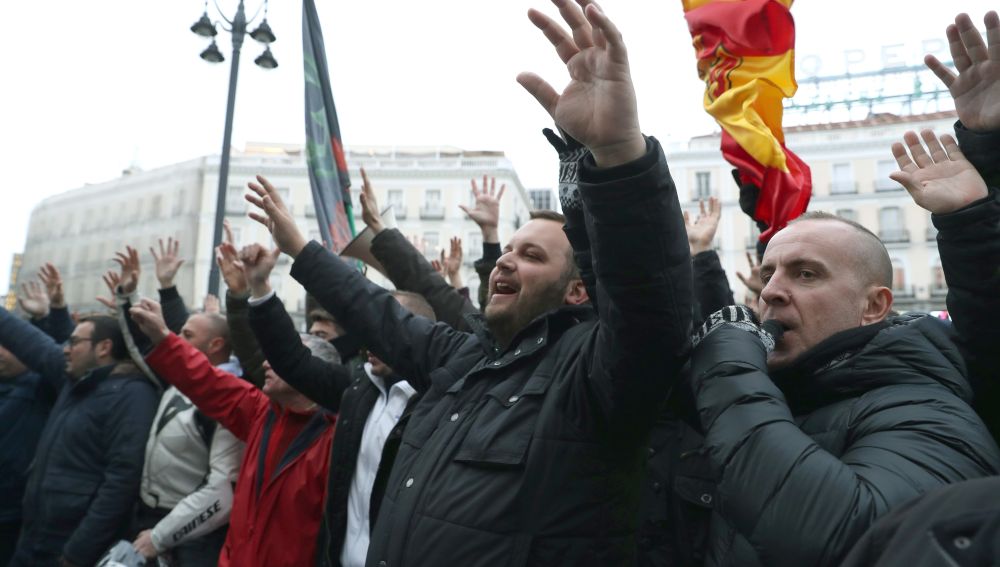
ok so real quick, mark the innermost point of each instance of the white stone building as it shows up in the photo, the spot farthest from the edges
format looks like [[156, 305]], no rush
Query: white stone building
[[80, 230], [850, 163]]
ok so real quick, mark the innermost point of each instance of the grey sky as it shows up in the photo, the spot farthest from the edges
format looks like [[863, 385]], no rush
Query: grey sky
[[91, 87]]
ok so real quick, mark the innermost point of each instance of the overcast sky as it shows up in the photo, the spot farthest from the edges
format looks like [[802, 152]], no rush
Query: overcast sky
[[90, 87]]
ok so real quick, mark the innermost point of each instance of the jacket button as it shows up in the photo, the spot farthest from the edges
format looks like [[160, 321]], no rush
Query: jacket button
[[656, 487], [540, 340], [454, 417], [513, 399], [409, 482], [652, 451], [706, 498], [496, 363], [517, 352], [962, 542], [383, 564]]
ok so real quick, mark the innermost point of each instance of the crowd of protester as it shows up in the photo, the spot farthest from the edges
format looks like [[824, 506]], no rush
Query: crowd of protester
[[604, 401]]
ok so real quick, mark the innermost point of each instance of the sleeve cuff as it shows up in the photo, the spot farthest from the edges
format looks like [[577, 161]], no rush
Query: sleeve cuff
[[255, 301]]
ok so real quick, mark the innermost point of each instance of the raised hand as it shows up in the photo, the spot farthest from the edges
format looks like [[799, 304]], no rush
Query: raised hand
[[941, 181], [53, 285], [34, 300], [486, 212], [752, 281], [369, 205], [598, 107], [148, 315], [452, 263], [211, 304], [257, 265], [111, 280], [168, 261], [276, 218], [976, 87], [130, 270], [701, 231], [227, 257]]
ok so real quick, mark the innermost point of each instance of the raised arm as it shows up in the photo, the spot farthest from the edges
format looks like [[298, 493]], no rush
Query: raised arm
[[35, 349], [407, 268], [236, 404], [317, 379], [57, 322], [486, 214], [167, 262], [711, 286], [967, 215], [412, 345], [640, 254]]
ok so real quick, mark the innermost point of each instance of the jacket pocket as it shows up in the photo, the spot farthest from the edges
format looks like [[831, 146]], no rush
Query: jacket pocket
[[504, 425], [428, 409]]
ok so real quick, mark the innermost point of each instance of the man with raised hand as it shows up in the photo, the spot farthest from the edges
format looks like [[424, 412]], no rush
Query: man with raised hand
[[851, 412], [527, 445], [278, 499]]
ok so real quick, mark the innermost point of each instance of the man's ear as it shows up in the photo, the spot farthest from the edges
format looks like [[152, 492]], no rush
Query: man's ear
[[216, 344], [576, 293], [103, 348], [878, 303]]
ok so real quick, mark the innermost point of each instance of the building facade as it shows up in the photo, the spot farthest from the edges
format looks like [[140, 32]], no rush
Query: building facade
[[79, 231], [851, 163]]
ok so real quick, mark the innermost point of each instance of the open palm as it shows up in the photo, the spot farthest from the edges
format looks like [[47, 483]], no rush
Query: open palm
[[939, 179], [976, 87]]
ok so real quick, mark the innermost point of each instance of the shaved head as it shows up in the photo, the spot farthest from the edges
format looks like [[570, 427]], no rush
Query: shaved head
[[871, 260]]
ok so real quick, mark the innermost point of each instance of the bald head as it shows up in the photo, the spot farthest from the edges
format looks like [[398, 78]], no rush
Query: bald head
[[870, 259], [209, 333]]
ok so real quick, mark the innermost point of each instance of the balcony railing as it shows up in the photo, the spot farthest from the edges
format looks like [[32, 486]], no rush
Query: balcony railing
[[310, 210], [431, 212], [897, 235], [903, 291], [843, 187], [939, 290], [886, 185], [399, 210], [703, 194]]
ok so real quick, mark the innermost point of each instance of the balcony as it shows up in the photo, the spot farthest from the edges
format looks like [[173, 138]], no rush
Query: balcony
[[886, 186], [431, 212], [310, 210], [903, 292], [930, 233], [939, 290], [399, 210], [703, 194], [843, 187], [893, 236]]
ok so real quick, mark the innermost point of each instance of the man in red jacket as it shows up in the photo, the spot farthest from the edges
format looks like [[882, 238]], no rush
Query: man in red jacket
[[278, 501]]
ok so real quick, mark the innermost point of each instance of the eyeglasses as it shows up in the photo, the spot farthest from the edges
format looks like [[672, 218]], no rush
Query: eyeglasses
[[73, 341]]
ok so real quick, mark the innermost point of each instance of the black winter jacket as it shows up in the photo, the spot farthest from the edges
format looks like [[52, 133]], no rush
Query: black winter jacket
[[865, 421], [85, 478], [532, 454]]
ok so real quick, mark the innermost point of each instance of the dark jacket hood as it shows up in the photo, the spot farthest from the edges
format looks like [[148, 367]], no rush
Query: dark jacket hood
[[906, 349]]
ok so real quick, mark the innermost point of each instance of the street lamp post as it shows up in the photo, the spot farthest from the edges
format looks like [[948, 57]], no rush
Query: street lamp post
[[238, 29]]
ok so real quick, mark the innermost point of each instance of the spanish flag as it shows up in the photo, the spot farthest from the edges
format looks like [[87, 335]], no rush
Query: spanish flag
[[746, 57]]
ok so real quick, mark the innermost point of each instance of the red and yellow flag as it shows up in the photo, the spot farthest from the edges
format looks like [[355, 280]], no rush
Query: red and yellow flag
[[746, 57]]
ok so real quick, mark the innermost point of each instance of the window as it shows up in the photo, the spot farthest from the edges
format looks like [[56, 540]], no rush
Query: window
[[938, 283], [541, 199], [473, 247], [156, 206], [843, 179], [432, 208], [891, 227], [898, 276], [431, 243], [754, 236], [394, 198], [703, 185], [882, 171], [848, 214], [180, 202], [235, 203]]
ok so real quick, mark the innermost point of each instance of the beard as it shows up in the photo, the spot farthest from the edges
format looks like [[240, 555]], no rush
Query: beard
[[506, 321]]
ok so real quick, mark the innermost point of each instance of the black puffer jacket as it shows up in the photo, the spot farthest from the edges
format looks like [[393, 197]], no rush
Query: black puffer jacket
[[532, 455], [870, 418]]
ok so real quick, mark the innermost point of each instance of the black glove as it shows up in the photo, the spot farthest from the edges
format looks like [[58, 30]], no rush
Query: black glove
[[571, 153], [741, 317]]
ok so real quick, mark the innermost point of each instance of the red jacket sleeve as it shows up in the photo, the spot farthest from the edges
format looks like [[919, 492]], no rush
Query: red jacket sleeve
[[235, 403]]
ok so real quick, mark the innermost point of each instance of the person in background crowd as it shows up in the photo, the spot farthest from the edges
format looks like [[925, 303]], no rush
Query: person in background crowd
[[371, 412], [278, 501], [85, 478], [190, 463]]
